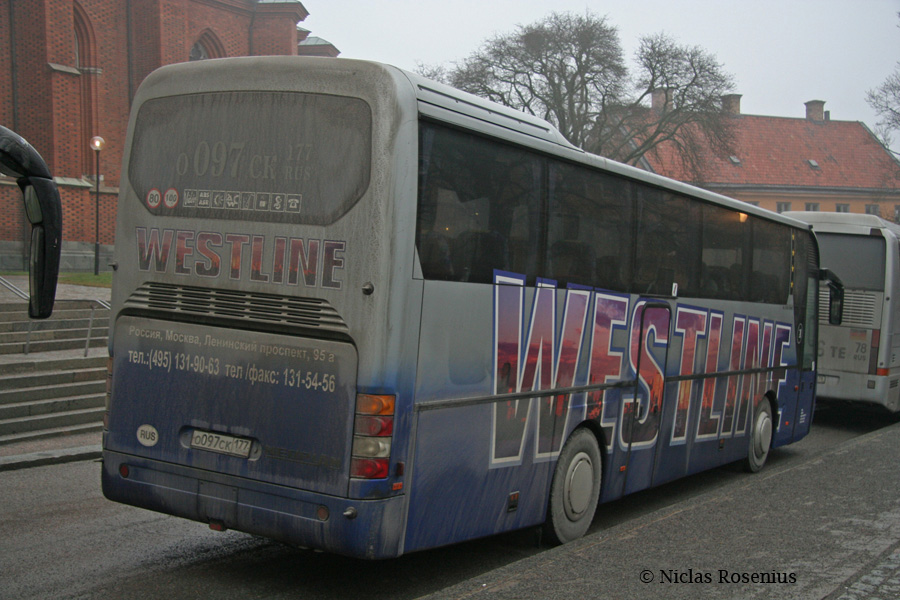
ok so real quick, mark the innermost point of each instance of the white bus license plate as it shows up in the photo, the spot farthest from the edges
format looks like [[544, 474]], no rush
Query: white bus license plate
[[223, 444]]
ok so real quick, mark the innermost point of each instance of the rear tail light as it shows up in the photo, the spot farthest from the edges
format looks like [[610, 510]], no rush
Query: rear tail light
[[369, 468], [873, 354], [371, 404], [371, 447], [375, 426], [373, 430]]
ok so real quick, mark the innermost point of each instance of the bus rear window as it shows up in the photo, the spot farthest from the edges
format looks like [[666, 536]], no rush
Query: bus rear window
[[257, 156], [858, 259]]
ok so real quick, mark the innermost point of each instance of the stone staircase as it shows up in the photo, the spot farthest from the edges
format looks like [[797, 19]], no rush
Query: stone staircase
[[55, 389], [73, 321]]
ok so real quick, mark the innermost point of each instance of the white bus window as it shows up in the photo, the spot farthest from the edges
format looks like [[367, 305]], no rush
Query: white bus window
[[858, 259]]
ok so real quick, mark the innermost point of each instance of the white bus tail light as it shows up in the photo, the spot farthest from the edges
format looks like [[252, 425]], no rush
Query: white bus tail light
[[371, 447], [373, 428]]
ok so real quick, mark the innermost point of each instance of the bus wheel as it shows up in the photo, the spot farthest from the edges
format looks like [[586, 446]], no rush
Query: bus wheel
[[575, 489], [760, 437]]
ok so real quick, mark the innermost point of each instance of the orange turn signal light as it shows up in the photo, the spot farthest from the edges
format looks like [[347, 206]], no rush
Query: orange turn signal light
[[373, 404]]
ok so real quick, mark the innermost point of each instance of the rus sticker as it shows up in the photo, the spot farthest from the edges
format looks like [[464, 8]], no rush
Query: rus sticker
[[147, 435]]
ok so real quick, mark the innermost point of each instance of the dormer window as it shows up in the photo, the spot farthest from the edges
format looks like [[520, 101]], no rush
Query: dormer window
[[813, 164], [735, 160]]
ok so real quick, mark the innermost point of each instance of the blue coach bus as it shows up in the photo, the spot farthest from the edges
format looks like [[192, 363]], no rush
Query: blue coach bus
[[360, 311]]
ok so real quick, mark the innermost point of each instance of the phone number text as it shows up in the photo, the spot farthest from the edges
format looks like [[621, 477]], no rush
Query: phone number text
[[168, 361]]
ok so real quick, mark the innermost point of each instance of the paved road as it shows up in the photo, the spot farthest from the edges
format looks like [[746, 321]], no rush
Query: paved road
[[811, 526], [823, 509]]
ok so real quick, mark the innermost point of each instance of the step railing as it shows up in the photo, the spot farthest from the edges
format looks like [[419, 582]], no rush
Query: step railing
[[15, 290], [95, 304]]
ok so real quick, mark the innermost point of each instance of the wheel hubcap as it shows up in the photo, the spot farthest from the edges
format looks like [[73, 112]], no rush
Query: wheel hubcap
[[763, 434], [579, 486]]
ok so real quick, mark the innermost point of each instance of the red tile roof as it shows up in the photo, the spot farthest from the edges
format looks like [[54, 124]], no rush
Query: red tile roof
[[775, 152]]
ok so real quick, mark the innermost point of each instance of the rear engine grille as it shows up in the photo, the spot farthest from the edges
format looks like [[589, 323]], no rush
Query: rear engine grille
[[183, 302], [861, 309]]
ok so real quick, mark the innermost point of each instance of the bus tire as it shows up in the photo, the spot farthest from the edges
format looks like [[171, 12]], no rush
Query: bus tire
[[575, 489], [760, 437]]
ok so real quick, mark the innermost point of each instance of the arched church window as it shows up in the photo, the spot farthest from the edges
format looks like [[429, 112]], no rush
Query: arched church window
[[199, 52]]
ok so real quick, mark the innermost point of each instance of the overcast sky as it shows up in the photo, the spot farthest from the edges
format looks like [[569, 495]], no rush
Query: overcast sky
[[781, 53]]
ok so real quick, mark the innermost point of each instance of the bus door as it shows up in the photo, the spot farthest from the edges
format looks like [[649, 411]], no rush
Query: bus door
[[799, 394], [807, 348], [643, 412]]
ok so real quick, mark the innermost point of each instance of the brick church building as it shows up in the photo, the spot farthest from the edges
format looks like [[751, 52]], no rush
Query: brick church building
[[69, 70]]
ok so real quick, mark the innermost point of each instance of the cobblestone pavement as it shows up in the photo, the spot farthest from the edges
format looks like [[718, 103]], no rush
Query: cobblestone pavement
[[882, 582]]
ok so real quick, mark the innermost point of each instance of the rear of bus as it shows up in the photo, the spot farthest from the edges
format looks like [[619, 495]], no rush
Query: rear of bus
[[262, 355], [859, 360]]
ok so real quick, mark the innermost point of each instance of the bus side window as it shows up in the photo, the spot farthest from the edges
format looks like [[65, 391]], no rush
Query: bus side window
[[589, 231], [434, 252], [571, 261], [478, 207], [477, 253], [771, 268], [433, 246], [522, 255], [724, 240], [667, 249]]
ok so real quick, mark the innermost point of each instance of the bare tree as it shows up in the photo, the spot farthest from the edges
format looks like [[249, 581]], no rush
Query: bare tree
[[690, 116], [885, 101], [566, 69], [569, 70]]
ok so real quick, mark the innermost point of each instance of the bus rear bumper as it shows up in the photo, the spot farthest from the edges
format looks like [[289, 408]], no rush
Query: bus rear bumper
[[861, 388], [369, 529]]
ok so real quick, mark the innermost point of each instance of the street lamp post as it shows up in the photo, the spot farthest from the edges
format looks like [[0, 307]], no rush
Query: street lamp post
[[97, 144]]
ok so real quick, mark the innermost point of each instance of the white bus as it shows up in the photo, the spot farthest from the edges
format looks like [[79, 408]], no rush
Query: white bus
[[859, 360], [360, 311]]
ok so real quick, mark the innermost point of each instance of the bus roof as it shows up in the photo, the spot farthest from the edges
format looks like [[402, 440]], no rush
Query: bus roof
[[853, 223]]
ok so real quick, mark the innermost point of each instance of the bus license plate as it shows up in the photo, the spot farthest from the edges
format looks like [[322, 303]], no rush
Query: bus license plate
[[223, 444]]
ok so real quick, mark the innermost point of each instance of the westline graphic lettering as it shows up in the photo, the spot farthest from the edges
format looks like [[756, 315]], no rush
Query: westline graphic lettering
[[539, 347], [280, 261]]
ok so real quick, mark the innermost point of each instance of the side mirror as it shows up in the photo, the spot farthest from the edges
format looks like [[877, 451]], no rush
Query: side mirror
[[835, 296], [43, 210]]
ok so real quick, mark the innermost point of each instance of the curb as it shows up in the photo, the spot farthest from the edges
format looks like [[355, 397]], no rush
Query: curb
[[49, 457]]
